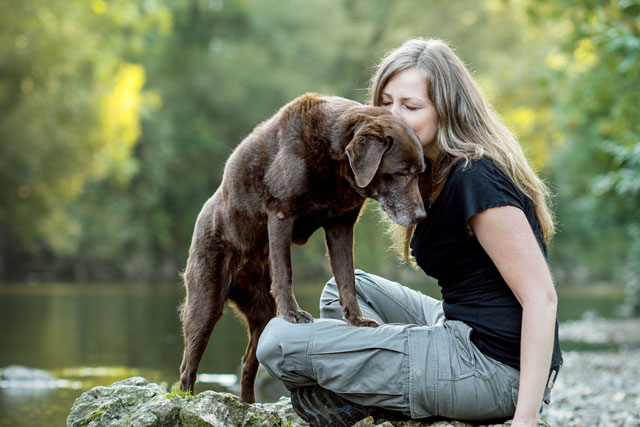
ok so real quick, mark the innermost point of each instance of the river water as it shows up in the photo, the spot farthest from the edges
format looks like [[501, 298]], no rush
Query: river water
[[89, 335]]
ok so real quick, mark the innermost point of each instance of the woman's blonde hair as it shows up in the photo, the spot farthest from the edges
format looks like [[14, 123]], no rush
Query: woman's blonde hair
[[468, 128]]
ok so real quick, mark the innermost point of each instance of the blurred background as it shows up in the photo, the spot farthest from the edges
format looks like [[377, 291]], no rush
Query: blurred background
[[116, 119]]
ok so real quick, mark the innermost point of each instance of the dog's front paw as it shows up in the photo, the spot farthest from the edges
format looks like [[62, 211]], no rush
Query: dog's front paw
[[297, 316], [363, 321]]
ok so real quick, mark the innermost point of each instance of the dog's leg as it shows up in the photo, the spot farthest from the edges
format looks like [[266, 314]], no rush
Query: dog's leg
[[203, 307], [250, 362], [257, 312], [339, 239], [280, 231]]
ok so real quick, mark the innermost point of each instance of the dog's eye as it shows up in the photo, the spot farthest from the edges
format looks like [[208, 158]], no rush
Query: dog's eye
[[402, 176]]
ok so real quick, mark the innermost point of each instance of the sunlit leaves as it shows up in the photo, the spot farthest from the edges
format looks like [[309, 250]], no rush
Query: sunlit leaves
[[534, 127], [556, 61], [585, 54], [70, 103], [119, 117]]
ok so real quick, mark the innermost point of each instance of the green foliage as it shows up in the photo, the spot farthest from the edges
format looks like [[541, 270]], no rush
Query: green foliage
[[70, 97], [596, 107], [116, 118]]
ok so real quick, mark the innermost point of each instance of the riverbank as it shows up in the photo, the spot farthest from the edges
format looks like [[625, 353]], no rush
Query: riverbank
[[598, 388], [594, 388]]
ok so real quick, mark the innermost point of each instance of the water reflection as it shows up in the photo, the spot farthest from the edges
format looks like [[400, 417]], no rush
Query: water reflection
[[64, 326], [86, 336]]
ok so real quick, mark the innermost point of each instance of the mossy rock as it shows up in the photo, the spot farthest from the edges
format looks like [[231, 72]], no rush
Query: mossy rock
[[136, 402]]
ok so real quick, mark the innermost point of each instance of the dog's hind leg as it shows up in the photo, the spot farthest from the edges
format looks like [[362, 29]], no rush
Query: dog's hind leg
[[257, 312], [203, 307]]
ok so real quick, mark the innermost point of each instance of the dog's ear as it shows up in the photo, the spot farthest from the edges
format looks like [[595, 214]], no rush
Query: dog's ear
[[365, 152]]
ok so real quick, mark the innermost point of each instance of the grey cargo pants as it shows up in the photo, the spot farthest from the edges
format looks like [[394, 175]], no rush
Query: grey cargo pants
[[416, 362]]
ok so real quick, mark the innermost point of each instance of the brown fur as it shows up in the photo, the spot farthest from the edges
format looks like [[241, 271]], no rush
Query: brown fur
[[311, 165]]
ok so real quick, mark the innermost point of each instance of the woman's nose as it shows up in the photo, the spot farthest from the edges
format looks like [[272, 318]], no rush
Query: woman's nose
[[395, 110]]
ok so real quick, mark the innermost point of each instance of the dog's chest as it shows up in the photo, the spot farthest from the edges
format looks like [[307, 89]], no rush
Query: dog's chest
[[305, 225]]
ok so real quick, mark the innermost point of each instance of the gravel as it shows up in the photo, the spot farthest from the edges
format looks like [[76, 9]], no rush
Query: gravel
[[598, 388]]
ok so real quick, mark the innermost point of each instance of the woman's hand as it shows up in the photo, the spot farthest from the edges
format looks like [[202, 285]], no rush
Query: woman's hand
[[506, 236]]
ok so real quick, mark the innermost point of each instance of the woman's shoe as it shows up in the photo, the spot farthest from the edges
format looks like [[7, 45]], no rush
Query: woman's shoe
[[323, 408]]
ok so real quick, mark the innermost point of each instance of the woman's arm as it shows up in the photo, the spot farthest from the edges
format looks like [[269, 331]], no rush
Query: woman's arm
[[506, 236]]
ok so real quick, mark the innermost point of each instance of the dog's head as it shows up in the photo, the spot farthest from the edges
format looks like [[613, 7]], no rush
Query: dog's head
[[386, 159]]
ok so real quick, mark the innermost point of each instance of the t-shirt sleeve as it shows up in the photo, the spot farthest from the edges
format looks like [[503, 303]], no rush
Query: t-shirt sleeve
[[481, 186]]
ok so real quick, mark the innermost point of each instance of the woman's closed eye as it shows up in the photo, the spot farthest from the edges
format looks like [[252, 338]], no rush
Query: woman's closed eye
[[407, 106]]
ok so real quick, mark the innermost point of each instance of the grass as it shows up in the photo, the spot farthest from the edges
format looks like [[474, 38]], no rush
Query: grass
[[177, 392], [283, 423]]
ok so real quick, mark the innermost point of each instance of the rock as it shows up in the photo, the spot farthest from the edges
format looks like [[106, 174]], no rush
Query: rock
[[136, 402]]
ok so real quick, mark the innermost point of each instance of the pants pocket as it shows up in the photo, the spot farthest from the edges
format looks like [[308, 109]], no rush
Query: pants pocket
[[473, 399], [457, 360]]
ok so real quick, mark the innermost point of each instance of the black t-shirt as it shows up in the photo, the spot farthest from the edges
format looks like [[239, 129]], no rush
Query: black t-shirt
[[473, 291]]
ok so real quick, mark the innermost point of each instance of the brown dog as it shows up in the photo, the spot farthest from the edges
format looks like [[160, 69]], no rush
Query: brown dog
[[311, 165]]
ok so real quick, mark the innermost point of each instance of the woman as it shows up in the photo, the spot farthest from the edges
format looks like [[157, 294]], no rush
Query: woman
[[489, 350]]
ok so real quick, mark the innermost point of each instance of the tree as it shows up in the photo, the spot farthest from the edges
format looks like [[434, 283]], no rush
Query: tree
[[599, 67], [68, 116]]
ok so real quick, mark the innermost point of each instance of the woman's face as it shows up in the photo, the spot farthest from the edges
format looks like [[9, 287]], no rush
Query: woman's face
[[405, 95]]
